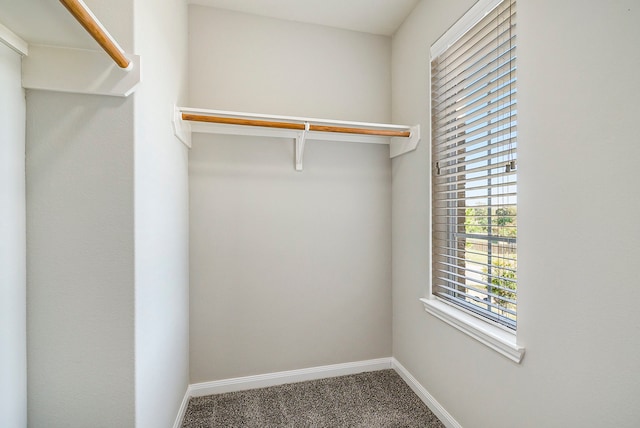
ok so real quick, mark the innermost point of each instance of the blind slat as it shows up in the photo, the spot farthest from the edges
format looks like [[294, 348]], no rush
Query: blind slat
[[447, 153], [465, 251], [487, 216], [497, 196], [473, 180], [455, 266], [471, 296], [500, 185]]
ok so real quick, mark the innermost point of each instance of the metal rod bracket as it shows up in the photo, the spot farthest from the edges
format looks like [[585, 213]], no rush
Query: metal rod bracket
[[300, 141]]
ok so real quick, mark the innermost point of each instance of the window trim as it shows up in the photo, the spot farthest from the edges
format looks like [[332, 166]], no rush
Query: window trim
[[485, 332], [474, 15], [490, 334]]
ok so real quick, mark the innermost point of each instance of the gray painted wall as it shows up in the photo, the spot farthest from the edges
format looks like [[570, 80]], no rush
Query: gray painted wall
[[578, 232], [80, 260], [249, 63], [13, 341], [288, 269]]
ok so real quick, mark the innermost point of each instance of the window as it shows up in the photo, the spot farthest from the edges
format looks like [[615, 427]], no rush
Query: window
[[474, 155]]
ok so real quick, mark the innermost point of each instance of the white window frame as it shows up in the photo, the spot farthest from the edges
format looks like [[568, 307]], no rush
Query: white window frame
[[492, 335]]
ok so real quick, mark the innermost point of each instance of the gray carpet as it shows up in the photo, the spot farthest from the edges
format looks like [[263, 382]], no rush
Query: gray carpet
[[378, 399]]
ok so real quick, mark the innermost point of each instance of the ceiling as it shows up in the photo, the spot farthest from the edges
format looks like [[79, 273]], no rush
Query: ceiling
[[369, 16], [47, 22]]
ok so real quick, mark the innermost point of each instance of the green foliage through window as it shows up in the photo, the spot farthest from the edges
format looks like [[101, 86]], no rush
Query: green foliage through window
[[502, 221], [503, 276]]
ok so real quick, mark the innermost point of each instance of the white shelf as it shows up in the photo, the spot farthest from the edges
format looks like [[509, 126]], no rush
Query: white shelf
[[64, 59], [306, 129]]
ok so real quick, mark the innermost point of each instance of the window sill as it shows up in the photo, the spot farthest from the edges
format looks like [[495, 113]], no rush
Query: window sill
[[499, 340]]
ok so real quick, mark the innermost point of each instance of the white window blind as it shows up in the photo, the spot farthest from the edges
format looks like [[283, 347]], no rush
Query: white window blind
[[474, 153]]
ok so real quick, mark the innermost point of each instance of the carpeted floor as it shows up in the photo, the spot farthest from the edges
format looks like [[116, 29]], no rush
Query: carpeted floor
[[378, 399]]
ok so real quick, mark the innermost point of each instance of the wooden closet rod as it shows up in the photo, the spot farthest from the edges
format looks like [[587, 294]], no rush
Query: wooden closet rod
[[296, 126], [85, 17]]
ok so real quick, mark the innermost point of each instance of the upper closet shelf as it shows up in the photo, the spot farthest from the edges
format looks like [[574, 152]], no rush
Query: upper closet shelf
[[400, 138], [71, 69]]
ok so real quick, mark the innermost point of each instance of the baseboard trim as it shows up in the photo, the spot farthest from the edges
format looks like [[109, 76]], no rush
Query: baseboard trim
[[291, 376], [313, 373], [424, 395], [182, 410]]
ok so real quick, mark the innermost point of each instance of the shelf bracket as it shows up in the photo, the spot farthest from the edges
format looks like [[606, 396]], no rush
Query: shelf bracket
[[300, 141], [181, 128], [400, 146]]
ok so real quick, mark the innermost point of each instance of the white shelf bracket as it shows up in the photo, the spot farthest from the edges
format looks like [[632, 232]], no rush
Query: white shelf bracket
[[181, 128], [300, 141], [400, 146]]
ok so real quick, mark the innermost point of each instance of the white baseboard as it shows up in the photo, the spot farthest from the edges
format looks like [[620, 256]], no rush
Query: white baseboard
[[280, 378], [182, 410], [313, 373], [424, 395]]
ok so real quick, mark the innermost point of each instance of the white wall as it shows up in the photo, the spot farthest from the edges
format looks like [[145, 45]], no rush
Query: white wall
[[161, 216], [288, 269], [13, 341], [578, 234]]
